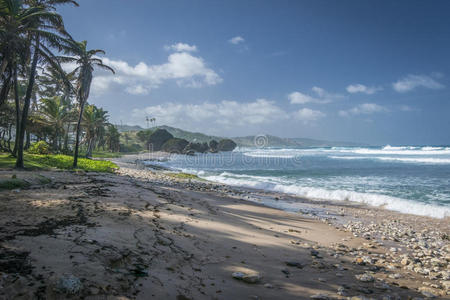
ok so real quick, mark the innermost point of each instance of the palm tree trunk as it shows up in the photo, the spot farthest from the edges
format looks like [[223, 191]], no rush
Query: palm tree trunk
[[26, 105], [16, 101], [5, 89], [77, 138], [28, 140]]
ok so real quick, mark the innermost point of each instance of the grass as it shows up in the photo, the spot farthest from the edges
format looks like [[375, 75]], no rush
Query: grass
[[13, 183], [106, 154], [182, 175], [34, 161]]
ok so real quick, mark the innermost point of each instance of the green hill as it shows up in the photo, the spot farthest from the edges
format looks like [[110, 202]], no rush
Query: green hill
[[246, 141]]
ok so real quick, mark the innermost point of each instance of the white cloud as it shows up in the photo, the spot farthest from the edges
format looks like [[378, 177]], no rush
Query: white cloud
[[137, 90], [187, 70], [307, 115], [321, 96], [411, 82], [363, 109], [181, 47], [228, 114], [236, 40], [361, 88]]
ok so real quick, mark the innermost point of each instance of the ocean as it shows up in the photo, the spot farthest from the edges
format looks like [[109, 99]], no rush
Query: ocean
[[408, 179]]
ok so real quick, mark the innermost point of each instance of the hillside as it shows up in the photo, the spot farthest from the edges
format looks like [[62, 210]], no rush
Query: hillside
[[246, 141]]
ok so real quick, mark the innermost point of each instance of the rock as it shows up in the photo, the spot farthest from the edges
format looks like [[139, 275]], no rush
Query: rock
[[294, 264], [446, 285], [157, 139], [213, 146], [405, 261], [196, 147], [341, 291], [251, 278], [268, 285], [238, 275], [226, 145], [248, 278], [427, 292], [69, 284], [365, 277], [174, 145]]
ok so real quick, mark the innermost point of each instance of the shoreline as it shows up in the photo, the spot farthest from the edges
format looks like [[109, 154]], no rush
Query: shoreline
[[384, 227], [142, 234]]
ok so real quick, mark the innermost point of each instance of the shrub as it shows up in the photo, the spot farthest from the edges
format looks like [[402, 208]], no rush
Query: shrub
[[40, 147]]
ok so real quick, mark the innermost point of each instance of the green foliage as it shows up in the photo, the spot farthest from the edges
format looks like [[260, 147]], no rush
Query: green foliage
[[40, 147], [34, 161], [65, 162], [13, 183], [133, 148], [182, 175], [144, 135]]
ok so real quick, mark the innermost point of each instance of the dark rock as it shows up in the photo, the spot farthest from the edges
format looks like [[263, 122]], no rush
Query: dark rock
[[294, 264], [157, 139], [213, 146], [196, 147], [226, 145], [174, 145]]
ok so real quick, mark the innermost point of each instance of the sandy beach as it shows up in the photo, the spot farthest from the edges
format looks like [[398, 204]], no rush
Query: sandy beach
[[142, 234]]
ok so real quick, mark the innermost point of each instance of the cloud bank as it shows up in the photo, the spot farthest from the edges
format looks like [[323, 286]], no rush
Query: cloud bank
[[412, 82], [184, 68], [361, 88]]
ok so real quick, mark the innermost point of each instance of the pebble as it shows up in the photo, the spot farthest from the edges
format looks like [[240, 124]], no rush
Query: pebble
[[365, 277]]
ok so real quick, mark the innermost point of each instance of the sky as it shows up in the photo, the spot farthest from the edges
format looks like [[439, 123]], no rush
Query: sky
[[375, 72]]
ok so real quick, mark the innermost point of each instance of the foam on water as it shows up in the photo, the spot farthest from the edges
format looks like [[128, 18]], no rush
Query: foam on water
[[425, 160], [408, 179], [387, 202]]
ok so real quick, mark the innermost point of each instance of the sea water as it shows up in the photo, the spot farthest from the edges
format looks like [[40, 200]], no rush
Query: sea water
[[408, 179]]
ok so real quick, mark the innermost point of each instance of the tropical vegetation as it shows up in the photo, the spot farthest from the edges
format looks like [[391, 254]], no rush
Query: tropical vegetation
[[45, 82]]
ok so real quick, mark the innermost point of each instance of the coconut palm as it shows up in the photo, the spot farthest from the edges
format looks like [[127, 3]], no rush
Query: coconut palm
[[54, 113], [27, 32], [94, 121], [86, 60], [112, 138]]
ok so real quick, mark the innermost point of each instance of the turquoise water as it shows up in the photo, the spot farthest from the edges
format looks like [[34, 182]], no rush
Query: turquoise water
[[408, 179]]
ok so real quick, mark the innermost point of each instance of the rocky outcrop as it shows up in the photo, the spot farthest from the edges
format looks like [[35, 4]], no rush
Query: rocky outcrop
[[157, 139], [162, 140], [196, 147], [174, 145], [226, 145], [213, 146]]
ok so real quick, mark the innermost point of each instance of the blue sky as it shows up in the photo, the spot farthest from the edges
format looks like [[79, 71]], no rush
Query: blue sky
[[363, 71]]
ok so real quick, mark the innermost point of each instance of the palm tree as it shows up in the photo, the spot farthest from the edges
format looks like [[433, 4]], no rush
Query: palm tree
[[24, 30], [94, 120], [85, 60], [112, 138], [54, 113]]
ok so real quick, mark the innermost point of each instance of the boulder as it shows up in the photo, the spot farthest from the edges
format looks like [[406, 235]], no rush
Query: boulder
[[213, 146], [226, 145], [174, 145], [196, 147], [157, 139]]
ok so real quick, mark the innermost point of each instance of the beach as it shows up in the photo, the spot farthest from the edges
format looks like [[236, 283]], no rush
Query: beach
[[143, 234]]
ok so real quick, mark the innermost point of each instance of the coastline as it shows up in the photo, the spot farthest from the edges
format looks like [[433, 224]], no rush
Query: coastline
[[139, 234]]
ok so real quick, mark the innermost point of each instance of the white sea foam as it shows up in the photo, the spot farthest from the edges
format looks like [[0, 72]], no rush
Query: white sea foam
[[373, 199], [403, 150], [422, 160]]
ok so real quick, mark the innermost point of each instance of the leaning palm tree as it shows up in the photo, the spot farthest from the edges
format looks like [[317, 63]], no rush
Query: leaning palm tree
[[27, 33], [86, 60]]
